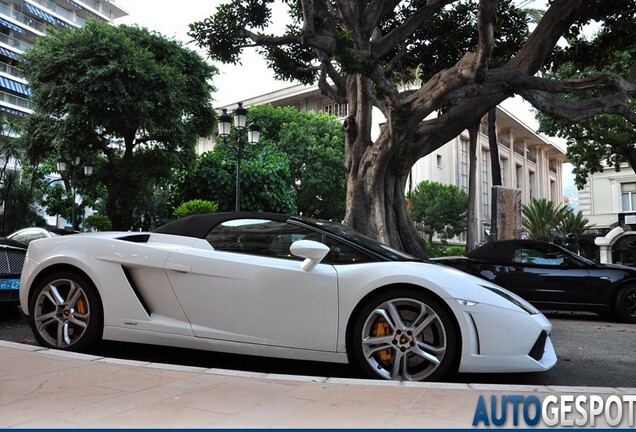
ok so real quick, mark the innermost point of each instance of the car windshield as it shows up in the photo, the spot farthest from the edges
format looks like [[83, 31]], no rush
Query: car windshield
[[576, 257], [359, 239]]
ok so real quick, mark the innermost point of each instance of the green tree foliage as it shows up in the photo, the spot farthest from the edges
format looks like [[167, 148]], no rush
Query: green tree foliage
[[297, 167], [439, 209], [196, 206], [18, 199], [363, 53], [265, 181], [573, 223], [541, 218], [605, 57], [97, 222], [546, 220], [314, 146], [132, 101]]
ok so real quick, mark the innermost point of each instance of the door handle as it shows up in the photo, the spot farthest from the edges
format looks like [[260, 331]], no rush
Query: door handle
[[181, 268]]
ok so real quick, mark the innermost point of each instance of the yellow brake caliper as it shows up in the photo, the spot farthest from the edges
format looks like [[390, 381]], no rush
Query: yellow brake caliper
[[81, 306], [382, 329]]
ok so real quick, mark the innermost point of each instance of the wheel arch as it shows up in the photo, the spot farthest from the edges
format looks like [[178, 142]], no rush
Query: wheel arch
[[386, 288], [617, 291], [57, 268]]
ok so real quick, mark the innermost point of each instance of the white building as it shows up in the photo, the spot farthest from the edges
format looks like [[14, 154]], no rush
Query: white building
[[608, 200], [529, 161], [609, 197]]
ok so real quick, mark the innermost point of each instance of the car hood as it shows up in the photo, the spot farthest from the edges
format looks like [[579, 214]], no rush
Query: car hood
[[617, 267], [464, 286]]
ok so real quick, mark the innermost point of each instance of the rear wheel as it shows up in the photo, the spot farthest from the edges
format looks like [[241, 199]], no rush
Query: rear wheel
[[66, 312], [405, 335], [625, 305]]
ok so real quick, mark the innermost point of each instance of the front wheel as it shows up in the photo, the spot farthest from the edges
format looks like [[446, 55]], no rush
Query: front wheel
[[66, 312], [625, 305], [405, 335]]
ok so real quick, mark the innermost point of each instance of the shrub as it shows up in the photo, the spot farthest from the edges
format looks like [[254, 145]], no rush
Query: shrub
[[436, 250], [97, 222], [196, 206]]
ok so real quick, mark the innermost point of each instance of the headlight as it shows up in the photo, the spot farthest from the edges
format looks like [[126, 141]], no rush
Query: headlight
[[517, 301]]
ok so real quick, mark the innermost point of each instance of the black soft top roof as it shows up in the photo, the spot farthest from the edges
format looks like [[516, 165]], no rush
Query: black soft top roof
[[199, 226], [501, 250]]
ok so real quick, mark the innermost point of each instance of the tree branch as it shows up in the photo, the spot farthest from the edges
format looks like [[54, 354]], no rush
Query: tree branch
[[485, 19], [579, 110], [375, 11], [555, 22], [310, 34], [400, 34]]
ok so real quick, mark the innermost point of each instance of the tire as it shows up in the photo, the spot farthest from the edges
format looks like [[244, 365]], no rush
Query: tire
[[625, 305], [406, 335], [66, 312]]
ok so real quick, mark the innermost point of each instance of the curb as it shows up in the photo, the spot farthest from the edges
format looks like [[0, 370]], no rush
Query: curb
[[323, 380]]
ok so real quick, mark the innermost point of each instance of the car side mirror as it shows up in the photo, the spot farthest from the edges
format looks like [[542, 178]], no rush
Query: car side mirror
[[312, 251]]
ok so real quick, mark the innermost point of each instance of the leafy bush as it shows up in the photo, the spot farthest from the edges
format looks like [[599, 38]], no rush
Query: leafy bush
[[196, 206], [97, 222], [435, 250]]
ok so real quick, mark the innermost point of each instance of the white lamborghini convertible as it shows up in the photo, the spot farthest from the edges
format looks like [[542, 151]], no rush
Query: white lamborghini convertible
[[278, 286]]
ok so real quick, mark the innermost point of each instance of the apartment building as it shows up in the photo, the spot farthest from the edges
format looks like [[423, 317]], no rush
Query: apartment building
[[529, 161], [22, 22]]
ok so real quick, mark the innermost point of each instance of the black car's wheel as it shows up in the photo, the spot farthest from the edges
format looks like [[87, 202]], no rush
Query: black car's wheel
[[404, 335], [625, 305], [66, 312]]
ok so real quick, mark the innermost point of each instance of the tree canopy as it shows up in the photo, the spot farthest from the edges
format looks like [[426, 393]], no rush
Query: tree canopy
[[439, 209], [370, 54], [297, 166], [604, 139], [266, 181], [129, 100], [314, 146]]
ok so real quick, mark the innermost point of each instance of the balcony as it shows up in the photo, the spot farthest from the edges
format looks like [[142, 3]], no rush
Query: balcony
[[18, 103], [20, 17], [13, 42], [55, 8], [10, 70]]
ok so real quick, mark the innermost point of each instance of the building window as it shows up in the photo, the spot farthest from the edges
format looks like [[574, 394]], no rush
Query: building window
[[340, 110], [553, 192], [463, 164], [503, 165], [519, 172], [532, 184], [485, 204], [439, 161], [628, 196]]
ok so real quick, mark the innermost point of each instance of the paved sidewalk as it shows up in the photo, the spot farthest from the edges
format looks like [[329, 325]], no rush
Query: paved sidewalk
[[42, 388]]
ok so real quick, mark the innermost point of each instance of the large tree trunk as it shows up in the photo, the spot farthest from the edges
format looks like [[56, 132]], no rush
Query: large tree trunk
[[379, 213]]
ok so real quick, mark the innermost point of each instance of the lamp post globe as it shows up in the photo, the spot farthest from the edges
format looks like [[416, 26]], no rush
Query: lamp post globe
[[253, 136]]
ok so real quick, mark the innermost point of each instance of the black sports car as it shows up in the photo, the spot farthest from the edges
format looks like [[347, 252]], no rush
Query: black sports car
[[11, 260], [551, 277]]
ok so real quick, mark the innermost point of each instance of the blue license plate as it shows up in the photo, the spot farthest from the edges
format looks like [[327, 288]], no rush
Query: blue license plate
[[9, 284]]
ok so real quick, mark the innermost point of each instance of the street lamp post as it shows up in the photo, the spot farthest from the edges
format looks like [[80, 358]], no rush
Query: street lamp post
[[62, 167], [253, 136]]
